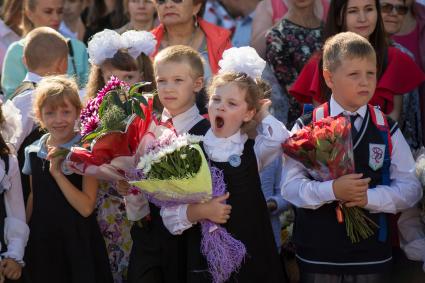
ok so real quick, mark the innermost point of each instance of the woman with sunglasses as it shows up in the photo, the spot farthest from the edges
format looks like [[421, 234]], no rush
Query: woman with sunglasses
[[180, 24], [393, 14], [412, 36], [397, 73]]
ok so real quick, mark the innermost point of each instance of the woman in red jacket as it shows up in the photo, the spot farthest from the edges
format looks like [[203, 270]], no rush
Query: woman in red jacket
[[180, 24], [397, 73]]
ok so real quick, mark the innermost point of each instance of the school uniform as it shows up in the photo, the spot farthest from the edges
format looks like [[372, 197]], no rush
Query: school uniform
[[63, 245], [240, 159], [154, 253], [323, 248]]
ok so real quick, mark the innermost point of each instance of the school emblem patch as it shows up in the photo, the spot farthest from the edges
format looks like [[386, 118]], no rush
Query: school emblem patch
[[376, 155]]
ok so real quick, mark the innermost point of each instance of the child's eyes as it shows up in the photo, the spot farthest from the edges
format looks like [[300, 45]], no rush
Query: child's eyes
[[232, 104], [128, 78], [179, 80], [351, 11], [215, 99]]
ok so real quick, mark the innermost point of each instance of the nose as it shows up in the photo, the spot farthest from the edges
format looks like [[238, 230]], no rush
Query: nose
[[362, 16], [364, 80]]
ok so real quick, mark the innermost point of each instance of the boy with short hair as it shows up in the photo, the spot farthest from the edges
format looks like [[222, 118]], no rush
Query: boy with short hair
[[45, 54], [384, 183], [179, 76]]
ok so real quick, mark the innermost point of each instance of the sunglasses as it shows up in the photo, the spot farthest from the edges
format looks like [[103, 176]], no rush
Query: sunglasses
[[389, 8], [160, 2]]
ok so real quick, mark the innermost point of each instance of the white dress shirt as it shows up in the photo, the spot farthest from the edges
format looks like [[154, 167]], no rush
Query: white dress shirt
[[24, 102], [271, 133], [404, 192], [137, 206], [16, 230]]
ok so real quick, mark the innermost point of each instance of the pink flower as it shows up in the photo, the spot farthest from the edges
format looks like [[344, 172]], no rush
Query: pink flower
[[89, 116]]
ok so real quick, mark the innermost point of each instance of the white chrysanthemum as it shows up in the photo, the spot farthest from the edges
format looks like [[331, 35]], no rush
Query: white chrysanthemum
[[137, 42], [242, 60], [104, 45]]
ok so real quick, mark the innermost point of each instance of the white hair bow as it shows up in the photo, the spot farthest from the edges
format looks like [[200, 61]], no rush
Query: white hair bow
[[103, 45], [242, 60]]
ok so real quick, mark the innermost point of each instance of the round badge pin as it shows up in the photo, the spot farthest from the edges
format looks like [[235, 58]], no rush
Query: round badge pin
[[235, 160]]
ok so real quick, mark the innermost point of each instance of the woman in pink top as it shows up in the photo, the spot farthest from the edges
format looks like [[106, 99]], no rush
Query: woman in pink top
[[268, 13]]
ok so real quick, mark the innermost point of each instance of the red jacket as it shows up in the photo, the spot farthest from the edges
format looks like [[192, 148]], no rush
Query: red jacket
[[218, 40], [401, 75]]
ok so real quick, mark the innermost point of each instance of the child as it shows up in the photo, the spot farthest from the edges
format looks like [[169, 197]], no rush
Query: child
[[179, 76], [397, 74], [381, 185], [65, 243], [15, 233], [40, 64], [235, 100], [126, 57]]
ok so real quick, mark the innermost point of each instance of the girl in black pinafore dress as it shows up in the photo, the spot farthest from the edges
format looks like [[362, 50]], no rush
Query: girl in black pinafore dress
[[65, 244], [230, 150]]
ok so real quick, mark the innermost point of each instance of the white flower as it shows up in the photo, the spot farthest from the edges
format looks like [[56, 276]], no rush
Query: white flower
[[242, 60]]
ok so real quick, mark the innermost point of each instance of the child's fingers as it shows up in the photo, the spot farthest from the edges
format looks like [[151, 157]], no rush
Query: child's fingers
[[223, 197]]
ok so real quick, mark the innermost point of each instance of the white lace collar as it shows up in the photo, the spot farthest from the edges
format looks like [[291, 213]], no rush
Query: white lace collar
[[220, 149]]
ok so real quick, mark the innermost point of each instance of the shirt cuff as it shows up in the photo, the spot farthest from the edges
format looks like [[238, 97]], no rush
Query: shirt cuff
[[373, 202], [175, 219], [136, 207], [16, 237], [281, 204], [326, 192], [273, 129]]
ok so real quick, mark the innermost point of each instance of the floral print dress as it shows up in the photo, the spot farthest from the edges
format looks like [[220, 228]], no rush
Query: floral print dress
[[115, 228], [289, 46]]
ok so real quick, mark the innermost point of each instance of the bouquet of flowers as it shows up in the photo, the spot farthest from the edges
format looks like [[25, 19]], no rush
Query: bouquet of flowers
[[325, 148], [175, 171], [113, 125]]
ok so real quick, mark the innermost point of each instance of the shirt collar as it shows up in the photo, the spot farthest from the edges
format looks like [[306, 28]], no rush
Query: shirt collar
[[42, 149], [220, 149], [180, 121], [32, 77], [337, 109]]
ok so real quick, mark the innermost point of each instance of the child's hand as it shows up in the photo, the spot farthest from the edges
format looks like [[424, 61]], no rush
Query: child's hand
[[351, 188], [55, 160], [217, 211], [264, 110], [10, 268], [360, 203], [122, 187]]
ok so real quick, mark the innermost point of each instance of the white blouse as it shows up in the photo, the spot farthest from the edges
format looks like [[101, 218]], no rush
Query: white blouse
[[271, 133], [16, 230]]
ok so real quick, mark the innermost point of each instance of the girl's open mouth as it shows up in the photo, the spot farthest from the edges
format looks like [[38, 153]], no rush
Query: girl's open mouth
[[219, 122]]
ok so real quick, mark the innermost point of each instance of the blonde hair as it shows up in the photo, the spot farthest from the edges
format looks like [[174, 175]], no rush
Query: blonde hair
[[255, 90], [345, 45], [27, 25], [12, 15], [44, 47], [122, 60], [181, 54], [53, 91]]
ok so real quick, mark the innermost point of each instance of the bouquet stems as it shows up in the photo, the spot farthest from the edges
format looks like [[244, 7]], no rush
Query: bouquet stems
[[357, 224]]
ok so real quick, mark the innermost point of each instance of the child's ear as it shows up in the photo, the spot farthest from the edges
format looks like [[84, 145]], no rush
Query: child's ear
[[198, 84], [327, 75], [249, 115], [24, 61], [62, 66]]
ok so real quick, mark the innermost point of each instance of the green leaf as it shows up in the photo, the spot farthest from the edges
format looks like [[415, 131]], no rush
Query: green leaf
[[134, 88], [93, 135], [116, 99], [138, 110], [140, 99]]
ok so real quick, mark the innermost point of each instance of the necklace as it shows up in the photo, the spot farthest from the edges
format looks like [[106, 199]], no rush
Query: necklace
[[190, 42]]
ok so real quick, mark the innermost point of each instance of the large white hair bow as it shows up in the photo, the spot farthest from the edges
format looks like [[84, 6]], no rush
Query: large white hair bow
[[105, 44], [242, 60]]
